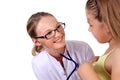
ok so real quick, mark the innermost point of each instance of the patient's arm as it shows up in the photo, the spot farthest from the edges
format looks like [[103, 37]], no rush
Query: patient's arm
[[87, 72]]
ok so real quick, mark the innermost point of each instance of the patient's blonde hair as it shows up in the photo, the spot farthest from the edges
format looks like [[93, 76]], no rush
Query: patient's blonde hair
[[107, 11]]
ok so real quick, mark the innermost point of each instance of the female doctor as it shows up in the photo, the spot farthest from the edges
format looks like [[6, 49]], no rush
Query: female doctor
[[54, 57]]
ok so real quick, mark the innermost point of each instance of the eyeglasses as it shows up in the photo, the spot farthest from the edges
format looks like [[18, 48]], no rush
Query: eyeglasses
[[52, 33]]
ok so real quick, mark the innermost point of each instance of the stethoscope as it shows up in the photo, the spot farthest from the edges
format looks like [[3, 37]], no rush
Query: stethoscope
[[70, 58]]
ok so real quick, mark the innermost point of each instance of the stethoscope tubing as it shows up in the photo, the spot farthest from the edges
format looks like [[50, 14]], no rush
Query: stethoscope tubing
[[70, 58]]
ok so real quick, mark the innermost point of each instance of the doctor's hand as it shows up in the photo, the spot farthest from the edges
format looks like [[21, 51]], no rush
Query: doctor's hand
[[95, 59]]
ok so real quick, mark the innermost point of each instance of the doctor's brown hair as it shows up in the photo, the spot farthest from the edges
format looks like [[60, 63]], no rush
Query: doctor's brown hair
[[31, 28]]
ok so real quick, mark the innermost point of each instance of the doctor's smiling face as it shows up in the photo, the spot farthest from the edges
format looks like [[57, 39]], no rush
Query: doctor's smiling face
[[50, 34]]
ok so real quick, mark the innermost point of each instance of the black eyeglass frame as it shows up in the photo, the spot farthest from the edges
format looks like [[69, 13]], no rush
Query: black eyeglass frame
[[56, 29]]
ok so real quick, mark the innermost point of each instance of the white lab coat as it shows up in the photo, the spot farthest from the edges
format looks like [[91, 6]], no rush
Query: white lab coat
[[47, 67]]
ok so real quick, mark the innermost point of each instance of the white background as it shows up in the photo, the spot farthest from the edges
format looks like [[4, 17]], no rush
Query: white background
[[16, 45]]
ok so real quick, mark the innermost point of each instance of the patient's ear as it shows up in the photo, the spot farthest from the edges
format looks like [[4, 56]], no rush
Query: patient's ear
[[36, 42]]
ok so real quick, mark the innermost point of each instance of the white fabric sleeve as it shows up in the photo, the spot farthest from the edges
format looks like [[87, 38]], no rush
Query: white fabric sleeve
[[40, 74], [89, 53]]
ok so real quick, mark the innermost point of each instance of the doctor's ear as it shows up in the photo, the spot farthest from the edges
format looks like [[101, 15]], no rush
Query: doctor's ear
[[36, 42]]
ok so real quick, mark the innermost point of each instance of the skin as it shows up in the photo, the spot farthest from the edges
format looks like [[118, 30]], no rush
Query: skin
[[98, 29], [103, 35], [54, 45]]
